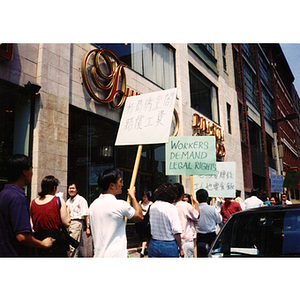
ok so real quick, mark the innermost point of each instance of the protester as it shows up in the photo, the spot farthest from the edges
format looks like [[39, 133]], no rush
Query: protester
[[16, 238], [165, 224], [239, 200], [79, 219], [187, 198], [228, 208], [207, 223], [273, 201], [107, 216], [253, 201], [49, 214], [145, 203], [284, 199], [188, 215]]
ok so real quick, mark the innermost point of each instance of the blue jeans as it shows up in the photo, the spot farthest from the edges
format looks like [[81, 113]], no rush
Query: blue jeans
[[163, 249]]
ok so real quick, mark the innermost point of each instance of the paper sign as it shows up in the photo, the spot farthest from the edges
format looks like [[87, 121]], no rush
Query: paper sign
[[220, 185], [292, 179], [190, 155], [276, 183], [147, 118]]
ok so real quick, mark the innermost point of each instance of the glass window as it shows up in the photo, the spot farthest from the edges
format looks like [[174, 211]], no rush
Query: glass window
[[248, 53], [268, 234], [154, 61], [204, 95], [15, 114], [250, 85], [224, 57], [268, 105], [229, 118], [210, 48], [91, 150]]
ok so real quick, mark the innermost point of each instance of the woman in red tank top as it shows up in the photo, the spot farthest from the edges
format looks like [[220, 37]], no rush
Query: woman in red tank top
[[48, 218]]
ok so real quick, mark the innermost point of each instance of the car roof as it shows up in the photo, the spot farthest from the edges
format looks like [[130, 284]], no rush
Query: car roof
[[271, 209]]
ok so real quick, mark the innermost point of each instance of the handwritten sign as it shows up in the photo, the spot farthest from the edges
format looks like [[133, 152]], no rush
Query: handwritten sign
[[190, 155], [220, 185], [292, 179], [147, 118], [276, 183]]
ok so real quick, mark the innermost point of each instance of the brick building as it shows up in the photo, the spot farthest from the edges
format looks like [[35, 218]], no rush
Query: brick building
[[264, 89]]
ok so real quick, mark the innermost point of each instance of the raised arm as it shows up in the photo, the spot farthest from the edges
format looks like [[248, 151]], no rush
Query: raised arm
[[138, 215]]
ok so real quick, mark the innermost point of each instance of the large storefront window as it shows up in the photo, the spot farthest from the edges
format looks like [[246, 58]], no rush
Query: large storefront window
[[204, 95], [154, 61], [91, 150], [15, 112]]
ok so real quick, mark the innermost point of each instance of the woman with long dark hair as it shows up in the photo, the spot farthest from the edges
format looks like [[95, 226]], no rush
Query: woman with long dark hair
[[49, 214]]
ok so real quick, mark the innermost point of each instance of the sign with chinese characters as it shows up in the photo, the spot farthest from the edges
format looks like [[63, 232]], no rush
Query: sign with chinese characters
[[220, 185], [190, 155], [276, 183], [147, 118]]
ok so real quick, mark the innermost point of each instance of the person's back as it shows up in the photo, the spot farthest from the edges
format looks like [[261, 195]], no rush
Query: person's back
[[13, 204], [106, 216], [253, 201]]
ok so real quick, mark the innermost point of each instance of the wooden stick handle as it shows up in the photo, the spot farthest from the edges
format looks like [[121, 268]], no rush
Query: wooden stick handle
[[135, 171]]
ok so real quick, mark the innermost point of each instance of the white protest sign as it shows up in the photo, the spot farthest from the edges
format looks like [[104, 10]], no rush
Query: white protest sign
[[220, 185], [276, 183], [147, 118], [190, 155]]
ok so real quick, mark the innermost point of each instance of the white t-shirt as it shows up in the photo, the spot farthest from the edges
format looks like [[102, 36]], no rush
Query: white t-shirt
[[252, 202], [107, 221], [78, 207]]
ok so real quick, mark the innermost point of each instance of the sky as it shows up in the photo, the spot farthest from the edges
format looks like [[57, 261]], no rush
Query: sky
[[292, 54]]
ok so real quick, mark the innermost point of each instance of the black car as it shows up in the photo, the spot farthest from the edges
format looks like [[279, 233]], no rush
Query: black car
[[269, 231]]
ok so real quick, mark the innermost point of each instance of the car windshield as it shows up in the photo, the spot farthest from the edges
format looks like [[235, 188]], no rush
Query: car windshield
[[267, 234]]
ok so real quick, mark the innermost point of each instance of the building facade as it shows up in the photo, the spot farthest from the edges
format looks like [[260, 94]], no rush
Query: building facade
[[264, 88], [57, 105]]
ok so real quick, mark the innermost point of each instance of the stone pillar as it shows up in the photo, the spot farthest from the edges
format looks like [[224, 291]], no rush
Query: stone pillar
[[50, 134]]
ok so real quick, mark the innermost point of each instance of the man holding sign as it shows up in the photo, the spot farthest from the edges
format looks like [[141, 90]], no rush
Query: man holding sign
[[107, 216]]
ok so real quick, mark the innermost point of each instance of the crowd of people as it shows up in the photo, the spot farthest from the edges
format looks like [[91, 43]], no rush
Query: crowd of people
[[174, 224]]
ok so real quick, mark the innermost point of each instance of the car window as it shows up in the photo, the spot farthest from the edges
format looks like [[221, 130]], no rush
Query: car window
[[266, 234]]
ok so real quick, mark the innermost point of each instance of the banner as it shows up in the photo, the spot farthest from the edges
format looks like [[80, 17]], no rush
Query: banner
[[191, 155], [292, 179], [220, 185], [276, 183], [147, 118]]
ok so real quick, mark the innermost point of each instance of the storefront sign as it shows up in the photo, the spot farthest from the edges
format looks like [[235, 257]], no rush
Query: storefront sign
[[190, 155], [202, 126], [220, 185], [276, 183], [104, 77], [147, 118]]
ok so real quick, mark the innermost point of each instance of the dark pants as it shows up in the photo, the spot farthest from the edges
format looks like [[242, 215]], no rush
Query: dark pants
[[202, 239]]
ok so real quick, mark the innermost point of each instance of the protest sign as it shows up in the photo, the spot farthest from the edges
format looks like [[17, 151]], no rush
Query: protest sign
[[220, 185], [276, 183], [190, 155], [147, 118], [292, 179]]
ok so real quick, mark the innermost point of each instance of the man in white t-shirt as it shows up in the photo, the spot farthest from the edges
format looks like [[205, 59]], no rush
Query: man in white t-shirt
[[107, 216], [253, 201]]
